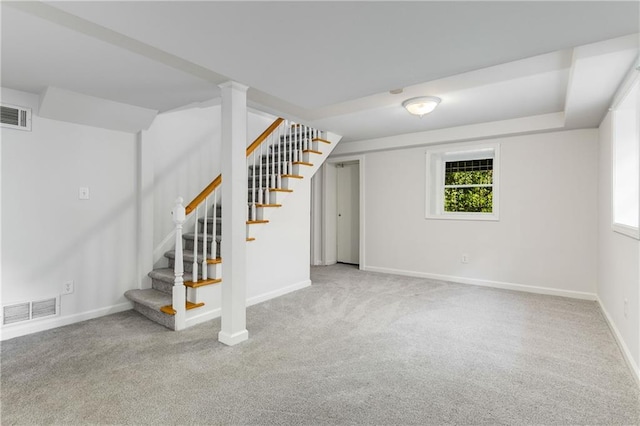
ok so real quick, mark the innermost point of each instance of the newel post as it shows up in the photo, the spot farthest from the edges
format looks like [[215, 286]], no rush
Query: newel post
[[179, 295]]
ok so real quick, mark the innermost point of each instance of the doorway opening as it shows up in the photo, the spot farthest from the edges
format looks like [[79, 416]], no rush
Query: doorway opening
[[348, 212]]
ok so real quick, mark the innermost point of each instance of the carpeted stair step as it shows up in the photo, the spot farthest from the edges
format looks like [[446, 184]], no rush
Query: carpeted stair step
[[148, 302], [187, 256], [188, 306], [299, 134], [210, 224], [162, 279], [267, 168], [189, 238], [284, 156]]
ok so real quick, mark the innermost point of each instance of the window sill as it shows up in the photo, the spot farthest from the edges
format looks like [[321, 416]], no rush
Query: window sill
[[629, 231], [465, 216]]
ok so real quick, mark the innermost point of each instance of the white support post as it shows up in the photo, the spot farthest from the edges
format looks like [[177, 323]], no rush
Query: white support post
[[179, 297], [234, 199]]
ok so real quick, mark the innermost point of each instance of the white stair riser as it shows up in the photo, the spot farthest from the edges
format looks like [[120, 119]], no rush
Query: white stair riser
[[214, 270], [277, 197]]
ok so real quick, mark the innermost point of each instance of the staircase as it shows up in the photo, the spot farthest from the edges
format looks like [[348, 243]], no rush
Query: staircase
[[280, 158]]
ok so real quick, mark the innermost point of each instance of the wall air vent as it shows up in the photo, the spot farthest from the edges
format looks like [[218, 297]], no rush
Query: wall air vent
[[43, 308], [16, 313], [20, 312], [15, 117]]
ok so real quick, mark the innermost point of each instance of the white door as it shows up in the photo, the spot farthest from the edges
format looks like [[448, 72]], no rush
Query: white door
[[348, 206]]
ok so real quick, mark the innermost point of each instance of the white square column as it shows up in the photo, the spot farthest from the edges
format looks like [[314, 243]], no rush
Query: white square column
[[234, 213]]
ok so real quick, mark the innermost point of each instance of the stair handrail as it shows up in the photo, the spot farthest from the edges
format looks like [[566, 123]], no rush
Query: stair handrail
[[264, 135], [218, 180], [204, 194]]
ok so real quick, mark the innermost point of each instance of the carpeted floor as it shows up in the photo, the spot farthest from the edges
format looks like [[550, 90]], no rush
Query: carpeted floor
[[355, 348]]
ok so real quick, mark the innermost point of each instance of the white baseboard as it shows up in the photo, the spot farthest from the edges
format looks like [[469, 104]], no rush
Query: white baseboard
[[277, 293], [17, 330], [487, 283], [202, 317], [12, 331], [216, 312], [233, 339], [626, 353]]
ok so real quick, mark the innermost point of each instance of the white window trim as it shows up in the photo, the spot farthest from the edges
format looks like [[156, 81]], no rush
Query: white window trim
[[435, 160], [632, 80]]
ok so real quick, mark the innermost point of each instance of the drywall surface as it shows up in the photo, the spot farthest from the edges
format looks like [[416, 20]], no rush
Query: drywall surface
[[619, 261], [49, 235], [278, 260], [545, 240]]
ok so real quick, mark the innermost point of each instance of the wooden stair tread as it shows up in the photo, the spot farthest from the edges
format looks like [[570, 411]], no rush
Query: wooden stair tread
[[321, 140], [256, 222], [214, 261], [202, 283], [280, 190], [268, 205], [188, 306], [251, 239], [302, 163], [311, 151], [293, 176]]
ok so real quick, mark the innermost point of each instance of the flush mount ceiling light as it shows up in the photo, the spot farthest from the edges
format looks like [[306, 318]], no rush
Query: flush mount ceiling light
[[422, 105]]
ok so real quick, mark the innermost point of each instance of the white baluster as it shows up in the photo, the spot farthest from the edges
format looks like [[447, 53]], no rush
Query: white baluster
[[279, 175], [214, 245], [271, 170], [306, 138], [195, 248], [289, 141], [298, 146], [178, 293], [204, 241], [254, 197], [261, 153]]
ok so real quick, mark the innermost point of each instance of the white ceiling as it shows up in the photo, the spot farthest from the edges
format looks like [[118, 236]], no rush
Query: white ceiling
[[332, 64]]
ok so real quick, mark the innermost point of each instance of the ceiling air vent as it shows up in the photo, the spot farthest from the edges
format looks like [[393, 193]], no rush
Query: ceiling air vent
[[15, 117], [26, 311]]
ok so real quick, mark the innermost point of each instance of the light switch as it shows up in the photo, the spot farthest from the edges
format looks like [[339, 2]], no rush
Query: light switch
[[83, 193]]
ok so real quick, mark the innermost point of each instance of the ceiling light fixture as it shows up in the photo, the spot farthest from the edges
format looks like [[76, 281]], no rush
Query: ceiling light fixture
[[422, 105]]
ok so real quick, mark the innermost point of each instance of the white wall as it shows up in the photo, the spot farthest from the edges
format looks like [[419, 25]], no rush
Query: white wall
[[619, 262], [278, 260], [49, 236], [545, 240]]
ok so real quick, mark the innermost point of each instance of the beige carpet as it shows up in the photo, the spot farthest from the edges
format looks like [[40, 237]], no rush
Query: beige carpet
[[355, 348]]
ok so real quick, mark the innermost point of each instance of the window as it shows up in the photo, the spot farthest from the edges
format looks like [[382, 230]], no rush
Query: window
[[626, 161], [462, 183]]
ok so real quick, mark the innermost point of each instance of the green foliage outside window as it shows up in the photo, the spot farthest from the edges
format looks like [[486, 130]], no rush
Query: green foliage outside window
[[461, 198]]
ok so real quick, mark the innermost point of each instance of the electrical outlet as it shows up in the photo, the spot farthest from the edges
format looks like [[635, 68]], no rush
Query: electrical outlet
[[83, 193], [626, 308], [67, 287], [465, 258]]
